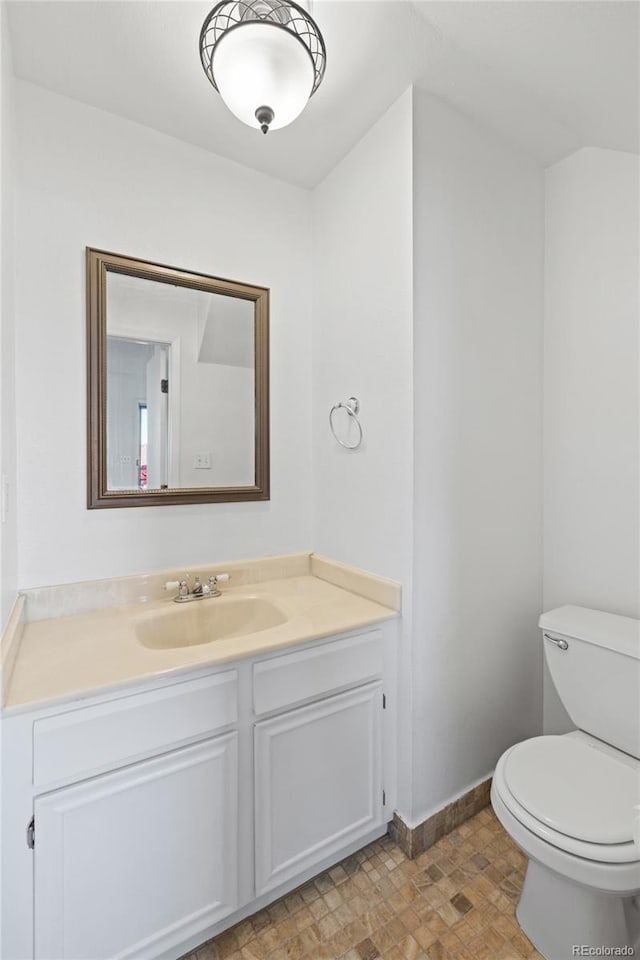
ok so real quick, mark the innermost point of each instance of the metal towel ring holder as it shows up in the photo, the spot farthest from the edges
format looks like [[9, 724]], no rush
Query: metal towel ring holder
[[352, 406]]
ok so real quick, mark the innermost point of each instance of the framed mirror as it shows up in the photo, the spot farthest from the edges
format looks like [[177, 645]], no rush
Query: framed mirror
[[178, 385]]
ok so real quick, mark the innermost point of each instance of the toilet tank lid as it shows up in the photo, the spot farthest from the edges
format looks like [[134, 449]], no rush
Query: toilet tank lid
[[609, 630]]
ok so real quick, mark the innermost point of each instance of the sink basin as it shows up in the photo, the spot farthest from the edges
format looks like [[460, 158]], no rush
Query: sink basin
[[203, 621]]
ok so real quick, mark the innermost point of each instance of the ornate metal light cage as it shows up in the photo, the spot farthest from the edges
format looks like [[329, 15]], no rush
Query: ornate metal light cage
[[258, 42]]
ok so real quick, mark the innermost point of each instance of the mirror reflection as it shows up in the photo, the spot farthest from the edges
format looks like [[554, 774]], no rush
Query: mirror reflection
[[177, 385], [180, 386]]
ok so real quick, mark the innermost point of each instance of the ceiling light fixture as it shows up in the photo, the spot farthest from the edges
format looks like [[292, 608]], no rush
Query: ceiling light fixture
[[264, 57]]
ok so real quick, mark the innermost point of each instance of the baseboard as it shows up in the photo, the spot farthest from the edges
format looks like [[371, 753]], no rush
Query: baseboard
[[413, 841]]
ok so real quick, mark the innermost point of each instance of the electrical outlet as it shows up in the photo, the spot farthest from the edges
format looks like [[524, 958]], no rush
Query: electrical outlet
[[202, 461]]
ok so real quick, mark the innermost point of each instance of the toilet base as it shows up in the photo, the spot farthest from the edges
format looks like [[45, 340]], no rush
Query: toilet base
[[559, 916]]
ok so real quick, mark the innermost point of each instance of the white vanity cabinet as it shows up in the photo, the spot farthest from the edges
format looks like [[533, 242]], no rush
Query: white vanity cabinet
[[164, 813], [127, 862]]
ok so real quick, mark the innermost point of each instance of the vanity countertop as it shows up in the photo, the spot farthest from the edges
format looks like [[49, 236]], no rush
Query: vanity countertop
[[89, 653]]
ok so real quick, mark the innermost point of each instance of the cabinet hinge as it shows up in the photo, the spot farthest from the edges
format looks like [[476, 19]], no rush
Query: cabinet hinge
[[384, 799], [31, 833], [164, 386], [384, 701]]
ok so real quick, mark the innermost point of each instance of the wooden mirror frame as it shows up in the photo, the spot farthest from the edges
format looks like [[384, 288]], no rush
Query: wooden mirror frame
[[98, 264]]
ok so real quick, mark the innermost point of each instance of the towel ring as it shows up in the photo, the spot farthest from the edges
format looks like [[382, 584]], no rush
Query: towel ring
[[352, 406]]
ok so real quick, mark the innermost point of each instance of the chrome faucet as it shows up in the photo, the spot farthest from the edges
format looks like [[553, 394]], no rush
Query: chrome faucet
[[200, 591]]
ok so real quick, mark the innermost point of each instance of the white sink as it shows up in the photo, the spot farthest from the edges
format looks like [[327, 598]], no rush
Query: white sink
[[204, 621]]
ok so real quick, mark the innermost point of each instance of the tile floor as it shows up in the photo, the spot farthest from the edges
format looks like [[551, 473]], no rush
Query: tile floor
[[457, 900]]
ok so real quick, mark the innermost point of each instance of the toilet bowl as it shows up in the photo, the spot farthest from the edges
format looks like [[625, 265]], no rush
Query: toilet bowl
[[568, 801]]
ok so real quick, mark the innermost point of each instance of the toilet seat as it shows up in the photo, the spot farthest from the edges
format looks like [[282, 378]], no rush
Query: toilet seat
[[574, 789], [508, 772]]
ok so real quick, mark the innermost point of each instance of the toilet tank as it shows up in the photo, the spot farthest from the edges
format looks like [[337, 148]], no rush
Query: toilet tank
[[597, 676]]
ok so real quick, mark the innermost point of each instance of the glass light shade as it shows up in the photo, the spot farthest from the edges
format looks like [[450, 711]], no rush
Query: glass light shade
[[259, 64]]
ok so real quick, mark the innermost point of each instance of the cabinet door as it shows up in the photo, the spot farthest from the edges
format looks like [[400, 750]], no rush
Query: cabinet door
[[318, 782], [132, 862]]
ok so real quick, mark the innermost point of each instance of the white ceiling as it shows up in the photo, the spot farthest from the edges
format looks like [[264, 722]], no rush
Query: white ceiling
[[549, 75]]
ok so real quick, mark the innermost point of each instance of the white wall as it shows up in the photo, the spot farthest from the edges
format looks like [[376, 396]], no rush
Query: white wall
[[362, 318], [362, 333], [8, 530], [591, 386], [87, 177], [218, 418], [428, 307], [478, 289]]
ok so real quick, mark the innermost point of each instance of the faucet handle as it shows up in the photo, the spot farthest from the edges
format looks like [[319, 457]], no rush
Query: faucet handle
[[182, 586], [218, 578], [213, 582]]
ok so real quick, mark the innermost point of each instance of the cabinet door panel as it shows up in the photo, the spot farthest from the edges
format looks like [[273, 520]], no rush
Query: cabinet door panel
[[132, 862], [318, 782]]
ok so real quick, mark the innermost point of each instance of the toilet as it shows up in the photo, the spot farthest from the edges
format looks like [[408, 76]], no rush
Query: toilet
[[570, 801]]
